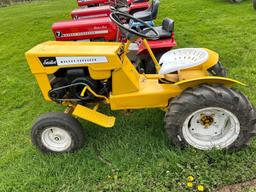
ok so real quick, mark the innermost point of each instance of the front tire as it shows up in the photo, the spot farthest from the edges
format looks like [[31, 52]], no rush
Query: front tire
[[210, 116], [57, 133]]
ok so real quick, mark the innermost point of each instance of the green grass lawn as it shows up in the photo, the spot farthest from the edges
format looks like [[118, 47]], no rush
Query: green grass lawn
[[137, 146]]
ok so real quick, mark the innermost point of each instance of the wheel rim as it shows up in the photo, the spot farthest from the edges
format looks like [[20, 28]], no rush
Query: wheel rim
[[211, 127], [56, 139]]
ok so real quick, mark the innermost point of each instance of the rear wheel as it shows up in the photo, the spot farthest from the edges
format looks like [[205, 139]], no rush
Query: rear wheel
[[210, 116], [218, 70], [254, 4], [57, 133]]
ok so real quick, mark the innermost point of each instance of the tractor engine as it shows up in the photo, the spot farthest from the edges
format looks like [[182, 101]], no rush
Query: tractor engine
[[68, 84]]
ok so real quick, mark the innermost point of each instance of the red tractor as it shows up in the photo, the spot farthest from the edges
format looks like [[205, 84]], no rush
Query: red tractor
[[103, 29], [92, 3], [82, 3], [105, 10], [106, 30], [95, 28]]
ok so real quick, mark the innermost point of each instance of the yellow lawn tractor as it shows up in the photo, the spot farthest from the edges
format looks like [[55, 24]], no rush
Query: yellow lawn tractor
[[201, 109]]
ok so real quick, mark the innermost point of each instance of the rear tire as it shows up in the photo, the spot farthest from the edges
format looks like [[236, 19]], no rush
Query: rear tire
[[254, 4], [218, 70], [210, 116], [57, 133]]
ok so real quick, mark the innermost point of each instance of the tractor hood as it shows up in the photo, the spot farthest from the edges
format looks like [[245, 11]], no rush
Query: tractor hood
[[49, 56], [93, 28]]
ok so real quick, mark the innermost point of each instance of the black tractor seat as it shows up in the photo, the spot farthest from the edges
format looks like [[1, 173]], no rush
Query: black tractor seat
[[165, 31], [150, 13]]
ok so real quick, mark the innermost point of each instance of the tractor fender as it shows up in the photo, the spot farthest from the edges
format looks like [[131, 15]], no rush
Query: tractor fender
[[213, 59], [207, 80]]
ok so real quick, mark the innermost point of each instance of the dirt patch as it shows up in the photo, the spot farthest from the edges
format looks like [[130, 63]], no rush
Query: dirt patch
[[240, 187]]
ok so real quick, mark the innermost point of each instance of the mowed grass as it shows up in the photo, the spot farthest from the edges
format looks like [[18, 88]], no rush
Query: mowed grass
[[137, 147]]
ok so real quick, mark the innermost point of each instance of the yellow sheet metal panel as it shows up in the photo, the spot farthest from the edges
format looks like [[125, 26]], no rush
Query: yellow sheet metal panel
[[57, 48], [207, 80], [191, 74], [213, 59], [99, 74], [34, 64], [154, 76], [125, 79], [94, 116], [44, 84], [70, 51], [151, 94]]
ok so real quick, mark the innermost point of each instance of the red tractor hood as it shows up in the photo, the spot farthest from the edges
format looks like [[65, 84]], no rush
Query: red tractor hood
[[91, 2], [104, 11], [96, 28], [92, 12]]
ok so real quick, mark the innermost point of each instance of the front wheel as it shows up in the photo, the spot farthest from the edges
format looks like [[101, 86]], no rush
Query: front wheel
[[210, 116], [57, 133]]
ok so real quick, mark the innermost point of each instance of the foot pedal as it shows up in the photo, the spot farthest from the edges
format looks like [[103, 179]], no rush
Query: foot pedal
[[94, 116]]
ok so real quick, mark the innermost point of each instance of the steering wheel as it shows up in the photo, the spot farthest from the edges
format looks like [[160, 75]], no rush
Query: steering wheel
[[115, 17]]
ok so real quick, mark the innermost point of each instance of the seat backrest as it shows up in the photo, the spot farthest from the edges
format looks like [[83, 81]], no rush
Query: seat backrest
[[154, 8], [168, 25]]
